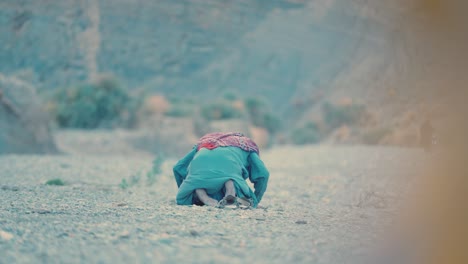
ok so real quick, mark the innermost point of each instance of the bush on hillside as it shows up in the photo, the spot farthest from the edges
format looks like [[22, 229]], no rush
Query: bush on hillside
[[220, 111], [103, 104], [181, 107], [307, 134], [261, 114], [268, 121], [255, 105], [230, 96], [338, 115], [179, 110]]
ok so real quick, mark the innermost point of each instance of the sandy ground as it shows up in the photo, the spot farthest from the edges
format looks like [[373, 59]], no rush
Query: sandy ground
[[323, 205]]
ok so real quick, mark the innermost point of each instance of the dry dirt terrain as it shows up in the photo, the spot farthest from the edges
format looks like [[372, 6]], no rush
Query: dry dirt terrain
[[324, 205]]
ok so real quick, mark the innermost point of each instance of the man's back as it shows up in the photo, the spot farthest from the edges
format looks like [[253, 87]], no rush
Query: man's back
[[221, 160]]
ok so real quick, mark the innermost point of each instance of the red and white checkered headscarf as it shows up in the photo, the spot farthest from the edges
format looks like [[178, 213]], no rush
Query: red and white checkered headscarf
[[231, 139]]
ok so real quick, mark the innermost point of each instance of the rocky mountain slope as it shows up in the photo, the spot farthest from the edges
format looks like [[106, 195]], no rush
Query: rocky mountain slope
[[280, 49], [298, 54]]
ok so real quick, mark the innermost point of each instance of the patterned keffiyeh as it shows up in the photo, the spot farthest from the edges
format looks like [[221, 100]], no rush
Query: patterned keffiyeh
[[231, 139]]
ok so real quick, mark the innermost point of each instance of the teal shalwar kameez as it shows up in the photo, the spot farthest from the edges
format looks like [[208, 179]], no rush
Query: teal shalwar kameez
[[211, 169]]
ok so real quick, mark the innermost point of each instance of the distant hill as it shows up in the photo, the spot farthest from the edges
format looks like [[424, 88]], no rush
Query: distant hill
[[275, 48], [294, 53]]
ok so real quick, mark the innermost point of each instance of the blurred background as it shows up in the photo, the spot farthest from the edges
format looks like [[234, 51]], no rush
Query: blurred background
[[144, 76]]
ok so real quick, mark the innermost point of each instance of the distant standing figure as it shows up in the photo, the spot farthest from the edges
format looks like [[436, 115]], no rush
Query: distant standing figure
[[427, 135], [215, 171]]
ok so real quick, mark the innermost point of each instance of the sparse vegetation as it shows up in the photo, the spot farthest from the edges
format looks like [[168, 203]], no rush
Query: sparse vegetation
[[230, 96], [123, 184], [338, 115], [220, 110], [255, 105], [269, 121], [102, 104], [261, 114], [151, 176], [180, 107], [308, 134], [155, 170], [132, 181], [179, 110], [56, 182]]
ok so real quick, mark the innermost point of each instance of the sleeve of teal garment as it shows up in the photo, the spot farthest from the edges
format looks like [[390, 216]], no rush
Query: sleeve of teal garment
[[258, 175], [181, 168]]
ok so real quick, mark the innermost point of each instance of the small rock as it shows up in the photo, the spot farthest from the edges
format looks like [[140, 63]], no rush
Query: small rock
[[5, 235], [63, 235], [194, 233], [301, 222], [10, 188], [42, 211], [125, 234], [165, 241]]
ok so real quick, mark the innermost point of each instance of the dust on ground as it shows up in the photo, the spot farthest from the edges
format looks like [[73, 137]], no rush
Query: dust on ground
[[323, 205]]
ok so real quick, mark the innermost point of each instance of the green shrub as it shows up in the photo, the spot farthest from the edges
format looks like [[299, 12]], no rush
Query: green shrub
[[179, 110], [133, 180], [123, 184], [261, 115], [308, 134], [220, 111], [56, 182], [337, 115], [155, 171], [255, 105], [230, 96], [181, 107], [94, 105], [151, 176], [268, 120]]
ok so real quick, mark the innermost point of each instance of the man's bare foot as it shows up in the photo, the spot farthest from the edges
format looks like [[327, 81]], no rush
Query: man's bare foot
[[204, 198], [230, 189], [211, 202]]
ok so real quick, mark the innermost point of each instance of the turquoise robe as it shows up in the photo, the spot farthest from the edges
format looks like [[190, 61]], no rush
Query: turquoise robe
[[211, 169]]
